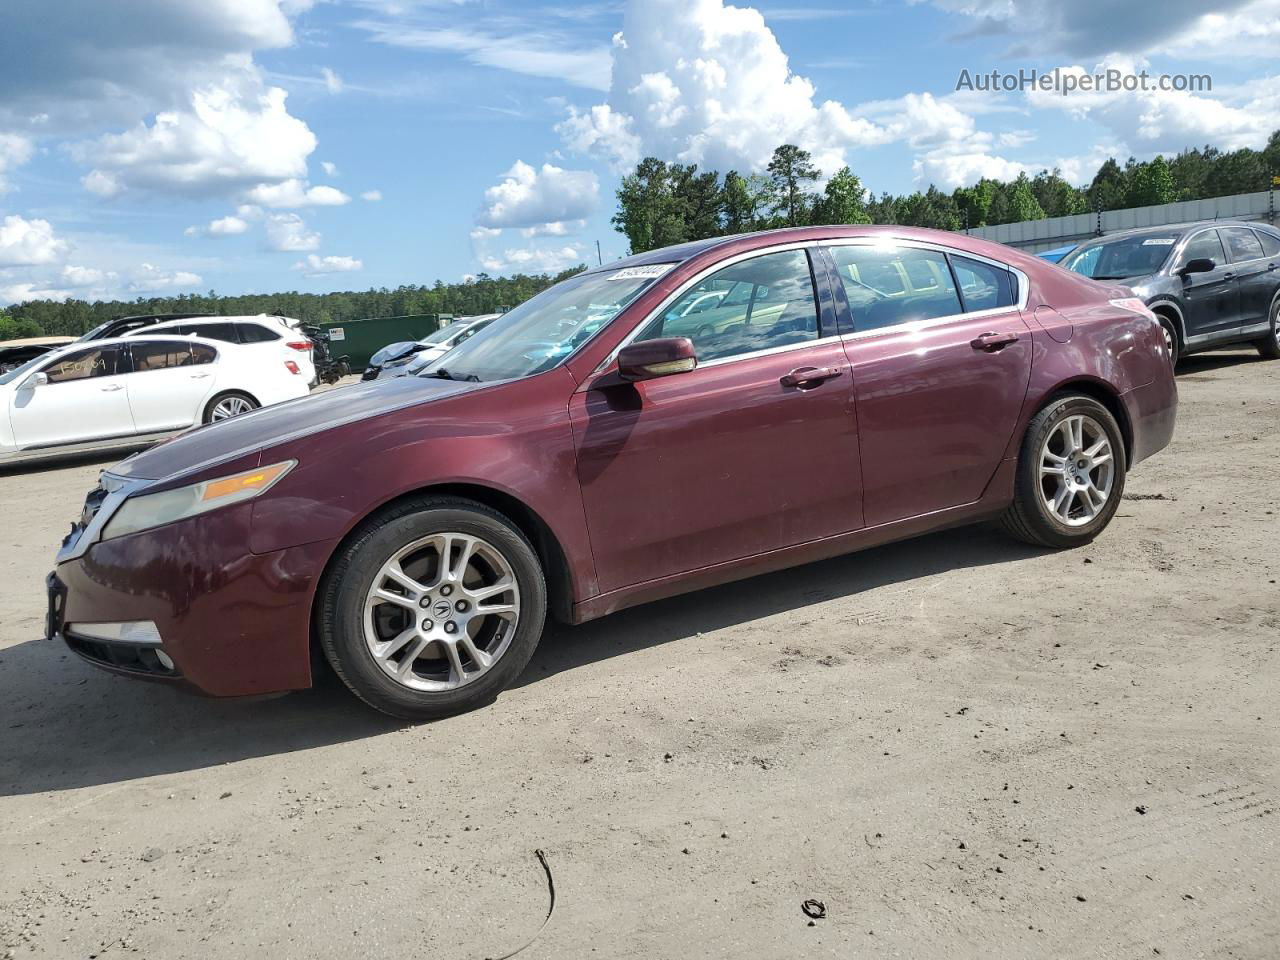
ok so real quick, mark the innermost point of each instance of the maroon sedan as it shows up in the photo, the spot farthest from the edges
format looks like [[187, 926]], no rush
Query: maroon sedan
[[671, 421]]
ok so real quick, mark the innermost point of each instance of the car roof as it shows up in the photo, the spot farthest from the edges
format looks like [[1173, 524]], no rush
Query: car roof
[[133, 341], [1178, 229]]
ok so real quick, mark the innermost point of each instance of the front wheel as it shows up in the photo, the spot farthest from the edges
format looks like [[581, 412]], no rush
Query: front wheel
[[1269, 346], [1071, 473], [1171, 341], [433, 608]]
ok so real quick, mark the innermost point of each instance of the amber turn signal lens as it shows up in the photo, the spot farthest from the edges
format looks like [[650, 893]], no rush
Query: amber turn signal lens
[[252, 480]]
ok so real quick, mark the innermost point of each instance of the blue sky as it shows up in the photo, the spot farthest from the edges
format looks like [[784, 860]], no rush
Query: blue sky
[[151, 146]]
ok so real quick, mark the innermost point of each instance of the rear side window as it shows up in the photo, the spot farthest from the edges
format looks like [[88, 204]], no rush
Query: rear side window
[[1270, 244], [256, 333], [873, 278], [164, 355], [213, 331], [96, 362], [1242, 244], [982, 286], [1204, 246]]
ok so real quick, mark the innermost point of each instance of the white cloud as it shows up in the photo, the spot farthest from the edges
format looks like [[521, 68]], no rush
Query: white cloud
[[149, 277], [230, 135], [315, 266], [332, 82], [20, 292], [949, 168], [27, 243], [288, 232], [79, 277], [15, 150], [533, 260], [707, 83], [222, 227], [296, 193], [530, 52], [373, 196], [558, 228], [330, 169], [530, 198], [1251, 30]]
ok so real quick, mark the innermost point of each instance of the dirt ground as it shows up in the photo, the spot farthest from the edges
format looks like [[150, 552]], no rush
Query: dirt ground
[[964, 747]]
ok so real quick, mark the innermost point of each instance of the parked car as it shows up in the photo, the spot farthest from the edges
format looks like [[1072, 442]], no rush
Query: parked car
[[1057, 253], [119, 326], [14, 353], [395, 359], [281, 336], [1211, 284], [126, 392], [416, 533]]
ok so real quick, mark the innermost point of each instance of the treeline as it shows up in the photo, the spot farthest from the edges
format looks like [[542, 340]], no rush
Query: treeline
[[662, 203], [484, 294]]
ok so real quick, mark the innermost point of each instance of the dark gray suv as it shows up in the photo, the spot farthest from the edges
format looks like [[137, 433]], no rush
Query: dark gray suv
[[1212, 284]]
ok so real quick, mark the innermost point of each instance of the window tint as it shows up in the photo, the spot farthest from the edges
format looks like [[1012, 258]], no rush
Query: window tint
[[1242, 243], [773, 306], [256, 333], [175, 329], [881, 284], [1206, 246], [202, 353], [163, 355], [213, 331], [97, 362], [1270, 244], [982, 286]]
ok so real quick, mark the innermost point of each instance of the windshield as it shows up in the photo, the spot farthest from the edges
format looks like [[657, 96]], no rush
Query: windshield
[[441, 335], [1126, 257], [22, 371], [543, 331]]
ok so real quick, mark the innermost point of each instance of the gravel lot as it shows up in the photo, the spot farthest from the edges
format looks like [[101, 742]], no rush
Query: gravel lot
[[962, 746]]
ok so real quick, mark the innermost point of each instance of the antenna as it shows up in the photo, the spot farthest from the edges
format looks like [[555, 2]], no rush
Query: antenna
[[599, 258]]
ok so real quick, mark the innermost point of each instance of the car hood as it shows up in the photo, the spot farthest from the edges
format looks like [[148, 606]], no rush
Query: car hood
[[209, 445], [392, 351]]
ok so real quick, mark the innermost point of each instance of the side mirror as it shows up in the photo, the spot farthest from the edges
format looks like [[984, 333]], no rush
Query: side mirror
[[35, 380], [1198, 265], [656, 358]]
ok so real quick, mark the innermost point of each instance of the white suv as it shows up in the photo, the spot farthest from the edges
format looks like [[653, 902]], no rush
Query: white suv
[[263, 332]]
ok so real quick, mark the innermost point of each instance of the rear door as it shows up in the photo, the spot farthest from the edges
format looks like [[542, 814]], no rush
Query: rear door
[[939, 375], [83, 401], [1212, 299], [1257, 282], [170, 382]]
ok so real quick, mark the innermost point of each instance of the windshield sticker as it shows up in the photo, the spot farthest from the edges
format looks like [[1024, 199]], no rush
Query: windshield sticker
[[1158, 242], [642, 273]]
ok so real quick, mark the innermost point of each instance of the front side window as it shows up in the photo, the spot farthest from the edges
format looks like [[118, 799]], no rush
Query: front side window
[[982, 286], [1242, 244], [1204, 246], [85, 364], [875, 283], [162, 356], [770, 304]]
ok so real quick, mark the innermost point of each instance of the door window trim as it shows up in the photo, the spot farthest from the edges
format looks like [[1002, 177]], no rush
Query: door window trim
[[824, 322], [1226, 247], [1176, 261]]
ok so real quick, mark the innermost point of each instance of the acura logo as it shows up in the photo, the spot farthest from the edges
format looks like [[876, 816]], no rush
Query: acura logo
[[442, 608]]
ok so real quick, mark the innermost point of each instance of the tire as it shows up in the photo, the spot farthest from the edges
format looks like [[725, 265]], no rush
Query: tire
[[1172, 340], [221, 406], [1269, 346], [1049, 437], [704, 332], [363, 635]]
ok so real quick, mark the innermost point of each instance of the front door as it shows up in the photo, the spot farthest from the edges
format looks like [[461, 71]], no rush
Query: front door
[[1213, 298], [83, 400], [734, 458], [939, 374]]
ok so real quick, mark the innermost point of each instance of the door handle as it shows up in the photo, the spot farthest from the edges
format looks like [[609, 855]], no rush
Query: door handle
[[1228, 276], [198, 376], [809, 376], [1272, 266], [991, 342], [111, 388]]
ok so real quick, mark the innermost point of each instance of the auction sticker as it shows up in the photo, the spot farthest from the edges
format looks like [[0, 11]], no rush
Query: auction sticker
[[1158, 242], [647, 272]]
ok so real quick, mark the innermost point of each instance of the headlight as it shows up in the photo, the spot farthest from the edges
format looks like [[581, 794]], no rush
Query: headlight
[[157, 509]]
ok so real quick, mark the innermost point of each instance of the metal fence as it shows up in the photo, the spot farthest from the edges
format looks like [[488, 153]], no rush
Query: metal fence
[[1036, 235]]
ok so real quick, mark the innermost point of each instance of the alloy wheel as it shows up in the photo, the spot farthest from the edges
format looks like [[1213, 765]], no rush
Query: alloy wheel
[[230, 407], [1275, 323], [441, 612], [1077, 470]]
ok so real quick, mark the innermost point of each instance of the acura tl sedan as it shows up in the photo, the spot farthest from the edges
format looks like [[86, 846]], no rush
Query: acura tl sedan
[[573, 459], [1211, 284]]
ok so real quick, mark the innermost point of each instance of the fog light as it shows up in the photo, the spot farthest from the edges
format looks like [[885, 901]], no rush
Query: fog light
[[164, 659], [128, 631]]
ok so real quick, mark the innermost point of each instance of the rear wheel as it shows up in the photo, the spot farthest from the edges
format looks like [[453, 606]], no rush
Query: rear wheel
[[1269, 346], [227, 405], [433, 608], [1071, 473]]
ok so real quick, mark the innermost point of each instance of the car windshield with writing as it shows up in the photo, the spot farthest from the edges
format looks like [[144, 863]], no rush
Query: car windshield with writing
[[1124, 257], [542, 332]]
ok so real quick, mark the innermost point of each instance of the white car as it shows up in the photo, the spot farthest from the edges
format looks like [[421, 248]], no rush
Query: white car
[[126, 392], [262, 332], [408, 357]]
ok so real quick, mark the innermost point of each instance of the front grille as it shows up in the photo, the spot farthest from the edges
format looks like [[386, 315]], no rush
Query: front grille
[[122, 656]]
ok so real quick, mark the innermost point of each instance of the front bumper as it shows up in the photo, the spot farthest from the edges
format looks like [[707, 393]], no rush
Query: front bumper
[[231, 622]]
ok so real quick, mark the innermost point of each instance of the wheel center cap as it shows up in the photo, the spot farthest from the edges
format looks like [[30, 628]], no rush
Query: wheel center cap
[[442, 608]]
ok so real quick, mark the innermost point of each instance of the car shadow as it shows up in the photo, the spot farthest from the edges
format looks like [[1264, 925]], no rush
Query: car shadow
[[102, 459], [1208, 362], [66, 725]]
